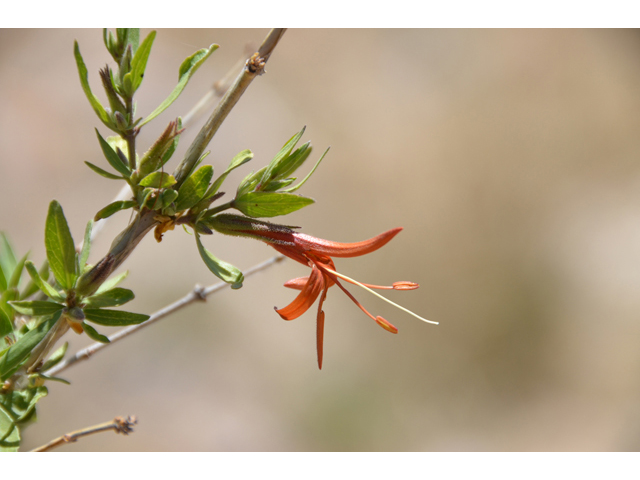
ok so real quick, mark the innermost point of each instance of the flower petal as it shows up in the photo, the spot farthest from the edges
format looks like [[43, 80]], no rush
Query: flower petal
[[297, 283], [336, 249], [305, 298], [320, 328]]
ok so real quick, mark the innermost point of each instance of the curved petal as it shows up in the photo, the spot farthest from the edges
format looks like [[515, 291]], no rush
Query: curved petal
[[305, 298], [337, 249], [297, 283]]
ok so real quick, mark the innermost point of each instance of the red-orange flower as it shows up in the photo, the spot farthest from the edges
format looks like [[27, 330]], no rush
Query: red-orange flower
[[317, 254]]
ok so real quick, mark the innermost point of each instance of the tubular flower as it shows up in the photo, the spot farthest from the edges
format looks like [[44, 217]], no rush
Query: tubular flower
[[317, 254]]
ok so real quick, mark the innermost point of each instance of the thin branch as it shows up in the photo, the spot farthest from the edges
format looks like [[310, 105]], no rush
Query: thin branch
[[118, 424], [197, 294], [253, 68], [217, 90]]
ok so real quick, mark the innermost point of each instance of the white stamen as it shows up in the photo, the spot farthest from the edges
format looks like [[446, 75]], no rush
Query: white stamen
[[344, 277]]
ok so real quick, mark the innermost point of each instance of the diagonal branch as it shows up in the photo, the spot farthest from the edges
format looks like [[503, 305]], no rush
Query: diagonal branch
[[197, 294], [253, 68], [118, 425]]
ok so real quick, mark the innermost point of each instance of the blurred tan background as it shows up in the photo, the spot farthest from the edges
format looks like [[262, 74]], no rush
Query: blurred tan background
[[512, 159]]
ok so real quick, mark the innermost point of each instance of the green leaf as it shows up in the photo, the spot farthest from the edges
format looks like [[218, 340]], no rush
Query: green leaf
[[24, 403], [47, 289], [19, 351], [7, 261], [221, 269], [93, 334], [9, 433], [194, 188], [112, 157], [267, 204], [133, 79], [3, 281], [8, 296], [110, 298], [168, 196], [31, 287], [55, 357], [158, 180], [102, 172], [250, 182], [240, 159], [84, 81], [54, 379], [276, 164], [114, 318], [292, 162], [36, 308], [296, 187], [86, 246], [113, 208], [17, 273], [6, 326], [112, 282], [60, 248], [187, 69]]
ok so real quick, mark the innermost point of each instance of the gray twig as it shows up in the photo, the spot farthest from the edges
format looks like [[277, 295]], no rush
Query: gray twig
[[197, 294], [118, 425]]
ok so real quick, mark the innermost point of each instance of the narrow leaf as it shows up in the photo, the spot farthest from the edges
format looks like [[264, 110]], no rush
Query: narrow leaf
[[93, 334], [112, 282], [187, 69], [275, 165], [240, 159], [113, 318], [86, 246], [250, 182], [8, 296], [84, 81], [24, 403], [47, 289], [5, 324], [7, 261], [112, 157], [133, 79], [9, 433], [60, 248], [19, 351], [102, 172], [302, 182], [113, 208], [267, 204], [158, 180], [55, 357], [54, 379], [194, 188], [110, 298], [17, 273], [36, 308], [3, 281], [294, 161], [221, 269]]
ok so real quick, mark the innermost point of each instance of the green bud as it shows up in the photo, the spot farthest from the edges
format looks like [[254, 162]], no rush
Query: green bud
[[114, 100], [153, 158]]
